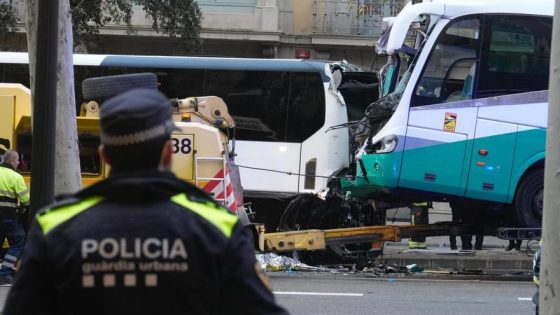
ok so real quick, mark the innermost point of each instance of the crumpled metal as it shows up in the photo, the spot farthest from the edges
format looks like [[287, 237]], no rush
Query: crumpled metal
[[275, 262]]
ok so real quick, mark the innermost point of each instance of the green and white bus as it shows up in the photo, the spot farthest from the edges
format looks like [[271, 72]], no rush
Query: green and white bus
[[466, 122]]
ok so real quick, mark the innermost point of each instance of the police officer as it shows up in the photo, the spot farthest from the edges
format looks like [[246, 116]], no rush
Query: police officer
[[141, 241], [12, 191]]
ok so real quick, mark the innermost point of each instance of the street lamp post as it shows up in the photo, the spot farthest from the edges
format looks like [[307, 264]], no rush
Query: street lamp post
[[44, 107]]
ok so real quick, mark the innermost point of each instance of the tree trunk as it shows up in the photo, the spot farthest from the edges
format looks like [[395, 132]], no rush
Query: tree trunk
[[32, 7], [67, 157], [68, 177]]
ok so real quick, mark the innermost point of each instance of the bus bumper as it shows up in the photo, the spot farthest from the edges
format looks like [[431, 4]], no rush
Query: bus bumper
[[375, 173]]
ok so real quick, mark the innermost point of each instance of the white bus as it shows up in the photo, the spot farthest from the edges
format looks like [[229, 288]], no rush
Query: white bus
[[466, 123], [282, 110]]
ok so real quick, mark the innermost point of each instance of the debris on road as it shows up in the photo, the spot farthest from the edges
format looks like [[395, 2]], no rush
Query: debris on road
[[414, 268], [275, 262]]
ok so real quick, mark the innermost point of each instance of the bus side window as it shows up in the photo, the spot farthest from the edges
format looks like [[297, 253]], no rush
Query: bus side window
[[257, 100], [306, 114], [463, 70], [15, 73], [516, 55], [449, 63], [180, 83]]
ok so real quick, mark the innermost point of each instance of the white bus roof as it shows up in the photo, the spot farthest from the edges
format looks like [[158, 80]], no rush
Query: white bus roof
[[455, 8], [195, 63]]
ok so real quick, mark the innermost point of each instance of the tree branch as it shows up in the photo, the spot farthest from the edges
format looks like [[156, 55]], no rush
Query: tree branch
[[80, 4]]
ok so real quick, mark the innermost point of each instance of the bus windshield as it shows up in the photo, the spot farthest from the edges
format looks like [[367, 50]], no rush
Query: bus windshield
[[381, 110]]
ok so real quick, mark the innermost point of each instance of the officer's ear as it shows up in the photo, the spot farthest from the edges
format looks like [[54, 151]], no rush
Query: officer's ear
[[103, 154], [166, 156]]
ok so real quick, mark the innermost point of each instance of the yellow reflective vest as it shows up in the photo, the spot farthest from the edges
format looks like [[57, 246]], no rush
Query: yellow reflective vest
[[13, 190]]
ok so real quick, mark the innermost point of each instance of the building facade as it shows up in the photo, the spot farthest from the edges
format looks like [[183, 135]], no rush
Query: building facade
[[316, 29]]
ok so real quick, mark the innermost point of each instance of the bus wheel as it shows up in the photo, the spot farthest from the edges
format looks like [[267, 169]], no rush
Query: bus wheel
[[529, 199]]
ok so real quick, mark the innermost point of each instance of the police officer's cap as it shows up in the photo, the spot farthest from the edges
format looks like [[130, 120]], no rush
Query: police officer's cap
[[136, 116]]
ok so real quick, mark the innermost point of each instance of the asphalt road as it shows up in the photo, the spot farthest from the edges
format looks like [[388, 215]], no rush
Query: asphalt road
[[326, 294]]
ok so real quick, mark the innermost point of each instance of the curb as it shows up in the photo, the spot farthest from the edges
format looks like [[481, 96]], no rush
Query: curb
[[457, 260], [462, 263], [496, 275]]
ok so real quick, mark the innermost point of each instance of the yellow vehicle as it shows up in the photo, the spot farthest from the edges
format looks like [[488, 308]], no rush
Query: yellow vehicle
[[201, 150], [15, 133]]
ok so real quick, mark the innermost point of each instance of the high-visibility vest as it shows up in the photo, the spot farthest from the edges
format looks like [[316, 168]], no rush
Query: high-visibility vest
[[413, 244], [12, 188]]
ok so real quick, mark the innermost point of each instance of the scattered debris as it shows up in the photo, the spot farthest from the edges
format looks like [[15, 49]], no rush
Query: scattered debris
[[281, 263], [275, 262], [414, 268], [383, 269]]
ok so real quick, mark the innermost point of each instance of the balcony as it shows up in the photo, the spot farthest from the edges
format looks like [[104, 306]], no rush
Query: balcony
[[353, 17]]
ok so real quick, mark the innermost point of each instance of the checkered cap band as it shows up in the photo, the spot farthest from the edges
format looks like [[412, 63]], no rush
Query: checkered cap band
[[140, 136]]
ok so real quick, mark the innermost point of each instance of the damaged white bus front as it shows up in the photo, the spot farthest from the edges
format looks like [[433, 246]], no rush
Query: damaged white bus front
[[467, 119]]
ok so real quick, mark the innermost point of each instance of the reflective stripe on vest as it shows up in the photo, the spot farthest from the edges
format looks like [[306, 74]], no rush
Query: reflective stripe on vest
[[7, 193], [4, 204], [13, 186], [219, 217], [52, 218], [413, 244]]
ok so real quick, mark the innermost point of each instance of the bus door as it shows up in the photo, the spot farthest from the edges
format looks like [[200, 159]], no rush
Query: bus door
[[492, 158], [442, 116], [437, 160], [306, 116]]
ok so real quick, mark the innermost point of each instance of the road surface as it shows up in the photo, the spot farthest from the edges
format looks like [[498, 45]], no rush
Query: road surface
[[304, 294]]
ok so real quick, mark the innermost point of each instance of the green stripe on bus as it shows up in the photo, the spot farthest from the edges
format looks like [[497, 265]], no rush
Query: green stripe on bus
[[219, 217], [54, 217]]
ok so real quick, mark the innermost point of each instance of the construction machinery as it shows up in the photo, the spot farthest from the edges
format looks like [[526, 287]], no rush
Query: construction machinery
[[203, 153]]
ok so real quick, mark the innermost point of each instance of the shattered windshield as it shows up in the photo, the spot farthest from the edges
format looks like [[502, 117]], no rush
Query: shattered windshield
[[379, 112], [385, 106]]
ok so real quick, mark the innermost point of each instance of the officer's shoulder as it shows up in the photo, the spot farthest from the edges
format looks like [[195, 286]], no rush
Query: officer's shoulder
[[61, 202], [62, 211], [209, 210], [188, 200]]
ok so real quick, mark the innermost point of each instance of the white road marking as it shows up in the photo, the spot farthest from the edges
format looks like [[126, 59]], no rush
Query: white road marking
[[318, 293], [525, 299]]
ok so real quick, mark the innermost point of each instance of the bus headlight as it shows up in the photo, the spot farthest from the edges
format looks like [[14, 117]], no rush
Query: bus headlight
[[387, 144]]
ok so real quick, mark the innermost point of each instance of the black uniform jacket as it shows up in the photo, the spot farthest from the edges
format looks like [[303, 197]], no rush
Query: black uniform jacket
[[143, 243]]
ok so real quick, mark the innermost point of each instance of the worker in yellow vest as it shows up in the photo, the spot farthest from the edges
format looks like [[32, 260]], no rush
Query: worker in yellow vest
[[419, 216], [13, 195]]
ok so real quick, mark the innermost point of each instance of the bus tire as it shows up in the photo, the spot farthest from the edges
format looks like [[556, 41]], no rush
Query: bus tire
[[101, 88], [528, 200]]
